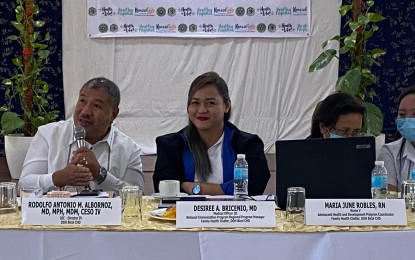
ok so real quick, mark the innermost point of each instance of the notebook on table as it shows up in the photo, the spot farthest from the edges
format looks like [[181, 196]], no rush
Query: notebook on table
[[327, 168]]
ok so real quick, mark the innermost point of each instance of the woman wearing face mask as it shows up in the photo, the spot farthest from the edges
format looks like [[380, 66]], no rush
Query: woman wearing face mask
[[338, 115], [201, 155], [399, 156]]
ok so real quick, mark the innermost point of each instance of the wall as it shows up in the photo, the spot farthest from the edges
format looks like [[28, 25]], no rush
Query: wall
[[272, 93]]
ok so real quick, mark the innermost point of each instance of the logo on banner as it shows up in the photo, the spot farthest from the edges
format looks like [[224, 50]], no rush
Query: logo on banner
[[114, 28], [272, 28], [299, 11], [265, 11], [92, 11], [103, 28], [182, 28], [223, 28], [107, 11], [161, 11], [208, 28], [186, 11], [129, 28], [281, 11], [204, 11], [261, 27], [147, 11], [193, 28], [171, 11], [286, 27], [245, 27], [250, 11], [125, 11], [227, 11], [240, 11], [302, 27], [166, 28], [146, 28]]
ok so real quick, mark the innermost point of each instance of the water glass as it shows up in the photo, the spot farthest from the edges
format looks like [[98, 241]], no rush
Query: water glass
[[169, 188], [31, 192], [393, 195], [295, 203], [131, 197], [408, 193], [8, 198]]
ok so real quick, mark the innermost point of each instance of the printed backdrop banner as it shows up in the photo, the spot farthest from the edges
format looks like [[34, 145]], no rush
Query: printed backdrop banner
[[198, 18]]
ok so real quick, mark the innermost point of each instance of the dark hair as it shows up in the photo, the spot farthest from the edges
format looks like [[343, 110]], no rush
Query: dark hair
[[196, 144], [106, 85], [329, 110], [405, 92], [210, 78]]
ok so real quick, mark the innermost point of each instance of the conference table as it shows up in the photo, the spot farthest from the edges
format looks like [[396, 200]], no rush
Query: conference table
[[160, 239]]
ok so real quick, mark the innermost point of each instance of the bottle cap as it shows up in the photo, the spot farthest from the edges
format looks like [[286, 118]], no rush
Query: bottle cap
[[240, 156], [380, 163]]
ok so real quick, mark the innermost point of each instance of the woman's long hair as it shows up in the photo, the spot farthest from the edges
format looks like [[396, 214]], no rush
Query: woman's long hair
[[198, 148], [329, 110]]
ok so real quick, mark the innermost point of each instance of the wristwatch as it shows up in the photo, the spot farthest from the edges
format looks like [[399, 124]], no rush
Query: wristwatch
[[196, 189], [101, 175]]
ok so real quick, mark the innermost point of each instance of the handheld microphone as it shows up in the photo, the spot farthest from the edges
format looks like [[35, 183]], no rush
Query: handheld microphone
[[80, 134]]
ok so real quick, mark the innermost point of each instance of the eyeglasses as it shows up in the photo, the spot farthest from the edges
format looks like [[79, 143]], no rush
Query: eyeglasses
[[245, 197], [347, 132]]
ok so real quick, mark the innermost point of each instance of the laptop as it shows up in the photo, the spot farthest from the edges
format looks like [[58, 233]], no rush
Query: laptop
[[327, 168]]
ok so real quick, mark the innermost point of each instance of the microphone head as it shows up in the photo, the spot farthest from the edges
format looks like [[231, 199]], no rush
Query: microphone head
[[80, 136], [79, 133]]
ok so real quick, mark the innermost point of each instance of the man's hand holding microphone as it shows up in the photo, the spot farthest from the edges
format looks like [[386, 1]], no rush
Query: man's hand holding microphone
[[83, 165]]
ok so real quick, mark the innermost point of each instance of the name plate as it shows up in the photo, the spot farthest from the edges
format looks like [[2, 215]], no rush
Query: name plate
[[355, 212], [225, 214], [71, 211]]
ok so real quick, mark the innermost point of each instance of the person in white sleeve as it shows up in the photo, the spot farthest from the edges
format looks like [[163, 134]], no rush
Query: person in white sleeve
[[399, 156], [108, 160]]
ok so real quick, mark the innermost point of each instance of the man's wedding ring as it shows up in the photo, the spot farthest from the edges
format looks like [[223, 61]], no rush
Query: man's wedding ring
[[84, 159]]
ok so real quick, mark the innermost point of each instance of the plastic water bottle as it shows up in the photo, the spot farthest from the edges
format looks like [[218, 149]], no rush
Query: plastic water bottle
[[379, 180], [240, 176], [413, 175]]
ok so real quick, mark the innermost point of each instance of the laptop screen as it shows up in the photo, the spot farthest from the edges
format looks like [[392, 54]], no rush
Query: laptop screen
[[327, 168]]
